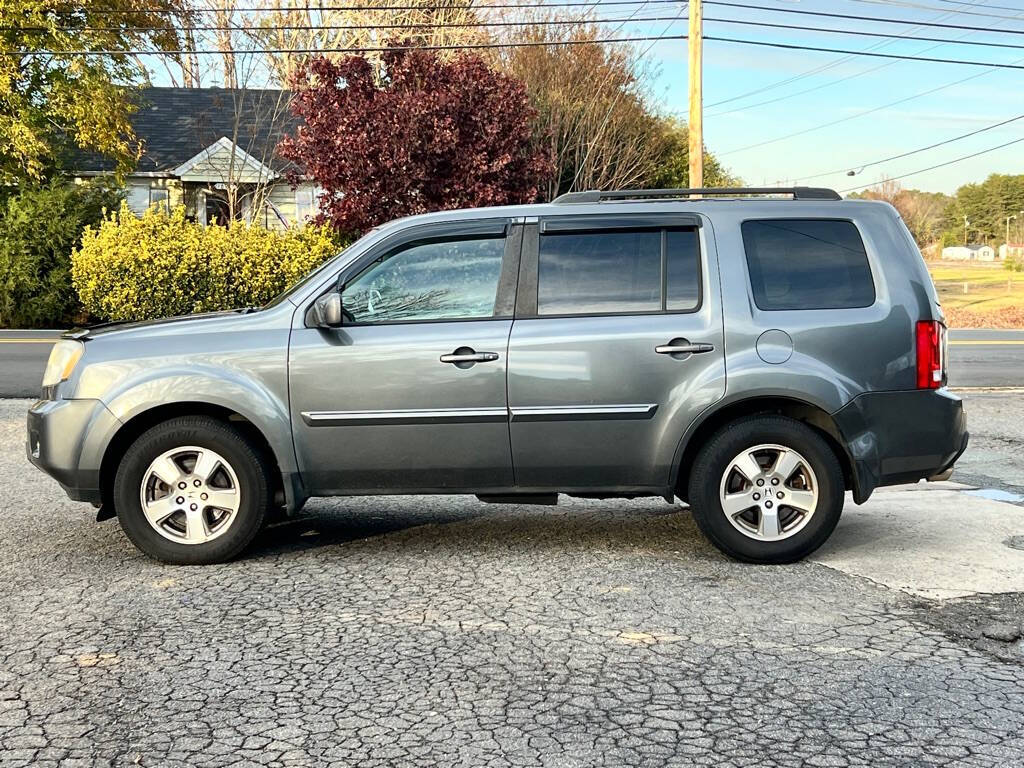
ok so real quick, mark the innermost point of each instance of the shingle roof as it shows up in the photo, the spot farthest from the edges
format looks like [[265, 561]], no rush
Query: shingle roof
[[177, 123]]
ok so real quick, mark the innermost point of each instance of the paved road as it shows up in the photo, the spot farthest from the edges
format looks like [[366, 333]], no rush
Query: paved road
[[978, 358], [440, 631]]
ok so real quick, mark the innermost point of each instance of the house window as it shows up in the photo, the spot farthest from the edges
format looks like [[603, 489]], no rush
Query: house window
[[159, 197]]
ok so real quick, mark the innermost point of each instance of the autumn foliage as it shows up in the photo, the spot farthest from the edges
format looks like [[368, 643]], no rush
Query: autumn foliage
[[416, 134]]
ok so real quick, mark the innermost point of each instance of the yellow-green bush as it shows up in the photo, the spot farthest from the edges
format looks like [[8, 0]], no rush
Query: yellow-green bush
[[160, 264]]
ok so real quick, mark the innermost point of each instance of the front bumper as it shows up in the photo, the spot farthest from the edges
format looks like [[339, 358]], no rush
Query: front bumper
[[901, 437], [65, 440]]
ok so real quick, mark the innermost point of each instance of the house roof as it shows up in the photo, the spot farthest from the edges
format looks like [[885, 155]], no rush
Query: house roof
[[176, 124]]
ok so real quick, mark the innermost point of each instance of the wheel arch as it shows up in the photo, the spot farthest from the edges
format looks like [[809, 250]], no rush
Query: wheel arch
[[287, 489], [725, 412]]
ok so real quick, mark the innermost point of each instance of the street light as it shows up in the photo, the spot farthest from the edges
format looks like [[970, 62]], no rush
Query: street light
[[1008, 220], [966, 225]]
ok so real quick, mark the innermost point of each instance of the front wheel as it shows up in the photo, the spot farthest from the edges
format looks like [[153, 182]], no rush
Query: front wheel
[[767, 489], [192, 491]]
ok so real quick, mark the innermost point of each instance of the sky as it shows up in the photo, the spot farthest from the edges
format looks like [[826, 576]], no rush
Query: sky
[[775, 116], [747, 102]]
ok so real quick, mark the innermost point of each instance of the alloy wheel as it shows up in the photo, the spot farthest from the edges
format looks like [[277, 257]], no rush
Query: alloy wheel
[[769, 492], [190, 495]]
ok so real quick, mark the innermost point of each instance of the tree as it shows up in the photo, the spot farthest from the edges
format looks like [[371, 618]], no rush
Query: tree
[[987, 207], [420, 134], [924, 213], [297, 25], [50, 96], [590, 107], [673, 167], [39, 228], [596, 113]]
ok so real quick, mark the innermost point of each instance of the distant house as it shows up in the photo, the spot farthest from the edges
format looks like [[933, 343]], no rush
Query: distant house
[[212, 150], [1011, 251], [969, 253]]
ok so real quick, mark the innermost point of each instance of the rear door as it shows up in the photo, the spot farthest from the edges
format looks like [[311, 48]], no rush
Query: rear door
[[617, 346]]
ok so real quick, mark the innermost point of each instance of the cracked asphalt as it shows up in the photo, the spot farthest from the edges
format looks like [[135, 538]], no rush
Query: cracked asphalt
[[440, 631]]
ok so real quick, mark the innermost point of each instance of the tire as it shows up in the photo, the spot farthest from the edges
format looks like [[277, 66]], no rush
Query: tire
[[755, 533], [215, 463]]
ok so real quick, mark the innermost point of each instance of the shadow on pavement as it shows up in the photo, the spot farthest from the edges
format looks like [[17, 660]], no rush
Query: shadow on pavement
[[650, 526]]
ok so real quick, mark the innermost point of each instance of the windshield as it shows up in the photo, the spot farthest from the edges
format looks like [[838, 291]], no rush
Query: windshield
[[317, 273]]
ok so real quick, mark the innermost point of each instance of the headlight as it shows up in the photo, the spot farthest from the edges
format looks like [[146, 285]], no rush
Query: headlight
[[63, 358]]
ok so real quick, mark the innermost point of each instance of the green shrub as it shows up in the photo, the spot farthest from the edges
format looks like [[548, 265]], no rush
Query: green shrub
[[39, 227], [160, 264]]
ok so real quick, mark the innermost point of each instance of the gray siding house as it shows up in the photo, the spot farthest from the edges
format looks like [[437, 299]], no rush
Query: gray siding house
[[212, 150]]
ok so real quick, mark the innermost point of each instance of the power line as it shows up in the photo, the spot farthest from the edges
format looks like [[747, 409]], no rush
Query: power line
[[865, 112], [830, 65], [933, 167], [540, 22], [879, 19], [831, 83], [917, 151], [873, 54], [923, 7], [738, 41], [375, 49], [863, 33], [974, 5], [423, 8], [337, 27]]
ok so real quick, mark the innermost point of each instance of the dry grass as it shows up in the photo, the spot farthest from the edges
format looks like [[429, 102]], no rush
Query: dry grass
[[979, 295]]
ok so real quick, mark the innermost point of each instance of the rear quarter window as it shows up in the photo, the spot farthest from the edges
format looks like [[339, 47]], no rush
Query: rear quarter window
[[807, 264]]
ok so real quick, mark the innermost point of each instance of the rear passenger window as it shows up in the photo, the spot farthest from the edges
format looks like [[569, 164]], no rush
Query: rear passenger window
[[807, 264], [614, 272]]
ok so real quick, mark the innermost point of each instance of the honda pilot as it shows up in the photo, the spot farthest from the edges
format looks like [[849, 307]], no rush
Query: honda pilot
[[756, 354]]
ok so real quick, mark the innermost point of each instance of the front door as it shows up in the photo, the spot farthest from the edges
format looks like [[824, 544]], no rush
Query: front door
[[409, 394], [617, 347]]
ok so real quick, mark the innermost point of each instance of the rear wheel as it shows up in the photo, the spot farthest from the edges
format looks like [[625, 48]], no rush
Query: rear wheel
[[767, 489], [192, 491]]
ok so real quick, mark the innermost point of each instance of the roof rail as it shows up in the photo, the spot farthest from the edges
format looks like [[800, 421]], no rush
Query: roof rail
[[597, 196]]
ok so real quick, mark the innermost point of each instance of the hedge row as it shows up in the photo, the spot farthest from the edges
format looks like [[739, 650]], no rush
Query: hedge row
[[160, 264], [39, 227]]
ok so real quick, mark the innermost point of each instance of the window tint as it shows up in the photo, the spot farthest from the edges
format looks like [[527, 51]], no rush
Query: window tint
[[682, 260], [807, 264], [615, 271], [428, 281]]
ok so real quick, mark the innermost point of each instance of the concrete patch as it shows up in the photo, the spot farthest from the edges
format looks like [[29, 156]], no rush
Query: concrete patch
[[929, 541]]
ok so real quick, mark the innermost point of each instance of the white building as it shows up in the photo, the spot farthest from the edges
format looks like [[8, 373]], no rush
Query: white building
[[969, 253]]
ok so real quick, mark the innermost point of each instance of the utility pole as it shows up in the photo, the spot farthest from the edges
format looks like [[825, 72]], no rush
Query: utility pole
[[695, 44], [966, 225]]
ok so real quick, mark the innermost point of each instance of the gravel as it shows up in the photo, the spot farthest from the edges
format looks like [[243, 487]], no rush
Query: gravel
[[404, 631]]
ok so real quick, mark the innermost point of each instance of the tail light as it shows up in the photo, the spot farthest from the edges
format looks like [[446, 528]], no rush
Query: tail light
[[931, 360]]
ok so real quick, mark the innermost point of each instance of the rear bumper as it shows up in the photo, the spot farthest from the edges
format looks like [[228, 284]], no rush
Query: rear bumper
[[63, 440], [901, 437]]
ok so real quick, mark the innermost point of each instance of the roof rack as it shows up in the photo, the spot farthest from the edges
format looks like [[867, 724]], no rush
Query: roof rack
[[597, 196]]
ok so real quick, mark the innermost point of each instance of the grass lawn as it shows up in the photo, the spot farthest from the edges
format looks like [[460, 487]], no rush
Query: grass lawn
[[979, 295]]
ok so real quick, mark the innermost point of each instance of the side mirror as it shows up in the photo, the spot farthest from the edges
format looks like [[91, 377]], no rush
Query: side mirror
[[327, 310]]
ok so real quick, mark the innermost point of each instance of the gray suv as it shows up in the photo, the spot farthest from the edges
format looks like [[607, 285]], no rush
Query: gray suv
[[756, 353]]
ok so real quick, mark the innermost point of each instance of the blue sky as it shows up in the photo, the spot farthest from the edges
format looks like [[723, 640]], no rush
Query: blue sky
[[732, 70]]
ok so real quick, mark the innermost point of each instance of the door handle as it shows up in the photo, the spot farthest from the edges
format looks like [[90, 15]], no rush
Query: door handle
[[684, 349], [469, 357]]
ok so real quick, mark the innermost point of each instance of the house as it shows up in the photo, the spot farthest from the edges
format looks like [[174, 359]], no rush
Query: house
[[969, 253], [1011, 251], [212, 150]]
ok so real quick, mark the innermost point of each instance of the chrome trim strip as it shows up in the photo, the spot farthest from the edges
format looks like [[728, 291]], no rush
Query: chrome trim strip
[[584, 412], [411, 416]]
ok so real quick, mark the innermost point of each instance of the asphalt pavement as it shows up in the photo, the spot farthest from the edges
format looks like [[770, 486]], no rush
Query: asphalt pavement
[[439, 631], [977, 358]]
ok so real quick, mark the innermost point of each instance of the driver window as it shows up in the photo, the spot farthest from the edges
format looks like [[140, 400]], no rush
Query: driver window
[[455, 279]]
